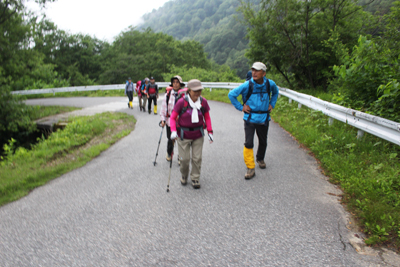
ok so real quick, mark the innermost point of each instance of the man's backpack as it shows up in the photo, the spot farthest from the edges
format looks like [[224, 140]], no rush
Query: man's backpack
[[251, 88], [249, 75], [250, 92]]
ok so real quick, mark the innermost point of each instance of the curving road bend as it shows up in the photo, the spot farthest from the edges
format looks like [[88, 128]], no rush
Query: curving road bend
[[115, 210]]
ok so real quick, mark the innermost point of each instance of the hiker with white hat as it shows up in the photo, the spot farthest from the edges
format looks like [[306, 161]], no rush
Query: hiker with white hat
[[257, 104]]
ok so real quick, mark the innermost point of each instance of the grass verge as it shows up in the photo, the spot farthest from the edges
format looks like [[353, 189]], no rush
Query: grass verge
[[367, 170], [97, 93], [38, 112], [82, 139]]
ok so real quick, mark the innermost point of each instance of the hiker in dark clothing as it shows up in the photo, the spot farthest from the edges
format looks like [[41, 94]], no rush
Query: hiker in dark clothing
[[143, 92], [152, 92]]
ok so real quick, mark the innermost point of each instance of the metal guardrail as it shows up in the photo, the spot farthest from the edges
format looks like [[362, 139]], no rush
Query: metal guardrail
[[70, 89], [383, 128], [110, 87]]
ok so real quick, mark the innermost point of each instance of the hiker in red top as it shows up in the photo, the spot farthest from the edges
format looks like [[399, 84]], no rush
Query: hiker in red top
[[139, 93], [152, 94], [171, 96], [188, 120]]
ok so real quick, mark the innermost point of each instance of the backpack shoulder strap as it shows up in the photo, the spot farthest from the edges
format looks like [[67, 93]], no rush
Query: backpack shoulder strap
[[185, 104], [249, 92], [202, 109], [168, 96]]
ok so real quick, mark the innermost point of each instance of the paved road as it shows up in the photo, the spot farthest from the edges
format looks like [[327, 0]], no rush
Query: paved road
[[115, 210]]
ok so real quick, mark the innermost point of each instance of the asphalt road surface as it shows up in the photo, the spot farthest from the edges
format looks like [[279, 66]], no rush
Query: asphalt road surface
[[115, 210]]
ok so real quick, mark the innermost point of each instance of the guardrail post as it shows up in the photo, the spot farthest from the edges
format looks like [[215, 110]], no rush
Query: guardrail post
[[330, 122], [299, 106], [360, 134], [290, 101], [210, 89]]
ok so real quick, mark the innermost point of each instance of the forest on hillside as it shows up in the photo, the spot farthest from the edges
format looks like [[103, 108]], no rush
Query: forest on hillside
[[214, 23], [218, 26]]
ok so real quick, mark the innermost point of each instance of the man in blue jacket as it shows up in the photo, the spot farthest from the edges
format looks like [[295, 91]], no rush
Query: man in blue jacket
[[259, 96]]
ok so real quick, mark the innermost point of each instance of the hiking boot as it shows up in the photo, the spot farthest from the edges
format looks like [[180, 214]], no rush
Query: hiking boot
[[168, 157], [250, 174], [179, 161], [184, 180], [129, 105], [196, 184], [149, 111], [261, 164]]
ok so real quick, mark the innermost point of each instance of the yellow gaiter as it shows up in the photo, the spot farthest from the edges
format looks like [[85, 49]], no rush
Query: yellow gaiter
[[249, 157], [130, 103], [155, 109]]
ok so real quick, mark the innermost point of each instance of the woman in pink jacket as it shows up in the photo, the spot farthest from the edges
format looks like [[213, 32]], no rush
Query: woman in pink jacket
[[188, 120]]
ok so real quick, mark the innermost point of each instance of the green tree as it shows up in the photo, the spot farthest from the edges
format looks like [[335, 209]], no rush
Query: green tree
[[20, 66], [218, 74], [289, 36], [142, 54], [368, 76]]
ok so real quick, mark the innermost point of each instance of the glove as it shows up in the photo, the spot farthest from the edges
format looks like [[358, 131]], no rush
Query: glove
[[174, 135], [210, 137]]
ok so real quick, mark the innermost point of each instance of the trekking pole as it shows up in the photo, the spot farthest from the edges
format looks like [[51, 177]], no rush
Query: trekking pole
[[162, 128], [170, 167]]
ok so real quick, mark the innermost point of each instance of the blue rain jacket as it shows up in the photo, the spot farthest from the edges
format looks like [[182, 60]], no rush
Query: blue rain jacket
[[258, 100]]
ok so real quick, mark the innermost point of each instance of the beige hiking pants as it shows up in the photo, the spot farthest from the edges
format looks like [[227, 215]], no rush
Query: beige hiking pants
[[197, 155]]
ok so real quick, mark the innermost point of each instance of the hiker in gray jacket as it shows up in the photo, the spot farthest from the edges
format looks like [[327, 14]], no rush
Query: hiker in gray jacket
[[129, 88]]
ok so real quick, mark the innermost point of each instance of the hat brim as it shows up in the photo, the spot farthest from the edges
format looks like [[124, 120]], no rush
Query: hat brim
[[258, 68], [182, 85], [197, 88]]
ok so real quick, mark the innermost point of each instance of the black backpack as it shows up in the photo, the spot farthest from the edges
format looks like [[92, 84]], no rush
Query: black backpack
[[251, 88], [250, 92]]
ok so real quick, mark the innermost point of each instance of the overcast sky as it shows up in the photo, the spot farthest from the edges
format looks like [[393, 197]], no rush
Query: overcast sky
[[103, 19]]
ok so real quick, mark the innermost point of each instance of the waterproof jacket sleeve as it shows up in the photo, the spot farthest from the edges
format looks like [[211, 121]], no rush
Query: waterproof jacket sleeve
[[274, 93], [233, 95]]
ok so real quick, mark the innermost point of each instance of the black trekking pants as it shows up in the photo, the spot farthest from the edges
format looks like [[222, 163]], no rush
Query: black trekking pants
[[170, 144], [154, 98], [130, 95], [262, 134]]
